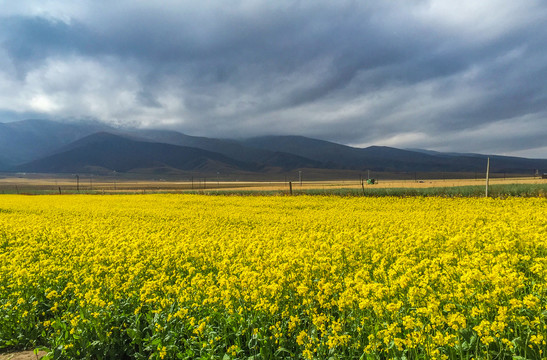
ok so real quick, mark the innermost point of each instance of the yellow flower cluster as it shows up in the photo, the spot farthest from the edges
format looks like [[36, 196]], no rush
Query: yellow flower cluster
[[314, 277]]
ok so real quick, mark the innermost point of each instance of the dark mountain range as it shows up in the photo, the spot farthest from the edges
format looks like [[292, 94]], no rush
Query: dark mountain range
[[379, 158], [326, 152], [27, 140], [510, 164], [383, 158], [230, 148], [104, 152], [47, 146]]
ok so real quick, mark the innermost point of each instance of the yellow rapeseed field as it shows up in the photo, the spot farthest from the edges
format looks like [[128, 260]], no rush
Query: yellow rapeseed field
[[305, 277]]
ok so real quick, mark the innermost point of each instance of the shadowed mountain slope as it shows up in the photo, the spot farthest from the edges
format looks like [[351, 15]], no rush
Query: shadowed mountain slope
[[383, 158], [115, 153], [231, 148], [26, 140]]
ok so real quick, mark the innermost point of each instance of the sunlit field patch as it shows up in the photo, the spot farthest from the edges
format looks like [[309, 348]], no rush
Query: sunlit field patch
[[305, 277]]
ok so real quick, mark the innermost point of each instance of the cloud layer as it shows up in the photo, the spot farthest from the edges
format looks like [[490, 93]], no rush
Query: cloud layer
[[450, 76]]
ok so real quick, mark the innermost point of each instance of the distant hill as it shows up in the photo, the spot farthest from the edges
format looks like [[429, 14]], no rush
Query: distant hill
[[379, 158], [26, 140], [329, 153], [108, 153], [48, 146], [230, 148], [383, 158]]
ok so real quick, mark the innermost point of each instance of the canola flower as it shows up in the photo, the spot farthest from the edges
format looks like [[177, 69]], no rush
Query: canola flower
[[208, 277]]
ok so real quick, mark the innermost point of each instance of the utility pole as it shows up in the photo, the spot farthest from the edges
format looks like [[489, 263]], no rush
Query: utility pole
[[78, 183], [487, 174]]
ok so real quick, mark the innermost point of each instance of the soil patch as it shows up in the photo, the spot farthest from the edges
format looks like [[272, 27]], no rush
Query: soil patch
[[22, 355]]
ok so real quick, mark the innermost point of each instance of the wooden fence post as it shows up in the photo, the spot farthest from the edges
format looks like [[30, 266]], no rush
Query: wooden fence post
[[487, 174]]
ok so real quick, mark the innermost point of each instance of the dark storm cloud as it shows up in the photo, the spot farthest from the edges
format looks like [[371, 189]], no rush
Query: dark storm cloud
[[31, 40], [398, 73]]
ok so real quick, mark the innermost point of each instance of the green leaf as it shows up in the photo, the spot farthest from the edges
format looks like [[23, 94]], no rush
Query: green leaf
[[251, 344], [283, 350], [132, 333], [156, 342], [518, 342]]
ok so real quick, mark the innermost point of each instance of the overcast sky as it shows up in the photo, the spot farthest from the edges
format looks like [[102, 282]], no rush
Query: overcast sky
[[465, 75]]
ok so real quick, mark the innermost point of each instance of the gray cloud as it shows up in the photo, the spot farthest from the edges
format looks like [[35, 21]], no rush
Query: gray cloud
[[403, 73]]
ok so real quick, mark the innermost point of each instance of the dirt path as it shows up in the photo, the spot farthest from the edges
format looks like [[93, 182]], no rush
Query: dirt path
[[22, 355]]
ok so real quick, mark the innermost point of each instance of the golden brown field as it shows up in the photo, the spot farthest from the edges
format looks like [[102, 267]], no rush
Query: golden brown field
[[33, 183]]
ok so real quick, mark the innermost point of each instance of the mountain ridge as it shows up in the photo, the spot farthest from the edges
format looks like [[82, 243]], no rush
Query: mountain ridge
[[114, 153], [30, 144]]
